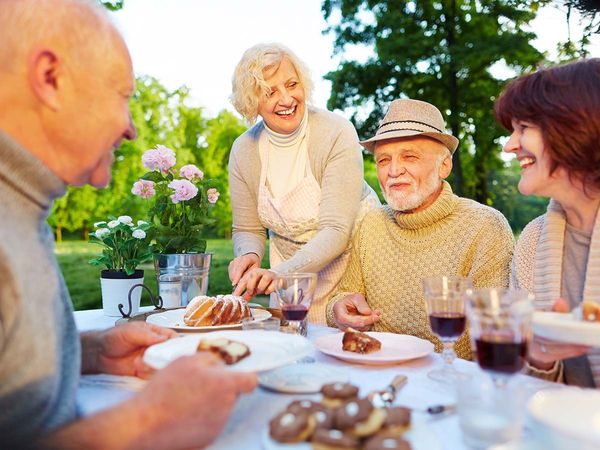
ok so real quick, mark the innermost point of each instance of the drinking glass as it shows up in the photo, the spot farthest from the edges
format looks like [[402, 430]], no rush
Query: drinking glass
[[444, 298], [295, 293], [501, 330]]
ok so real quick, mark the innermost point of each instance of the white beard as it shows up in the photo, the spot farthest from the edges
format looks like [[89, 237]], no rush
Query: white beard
[[413, 198]]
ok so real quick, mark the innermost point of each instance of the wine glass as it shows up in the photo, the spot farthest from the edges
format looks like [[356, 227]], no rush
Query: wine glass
[[295, 293], [501, 329], [444, 298]]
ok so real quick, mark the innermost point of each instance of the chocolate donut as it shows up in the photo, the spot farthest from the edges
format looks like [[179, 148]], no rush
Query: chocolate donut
[[397, 420], [359, 417], [333, 440], [323, 415], [383, 441], [289, 427], [334, 394]]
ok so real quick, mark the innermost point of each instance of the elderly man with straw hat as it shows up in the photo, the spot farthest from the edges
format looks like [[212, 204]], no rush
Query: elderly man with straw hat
[[423, 230]]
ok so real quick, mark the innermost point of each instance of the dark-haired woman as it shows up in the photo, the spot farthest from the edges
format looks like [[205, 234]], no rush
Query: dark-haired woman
[[554, 117]]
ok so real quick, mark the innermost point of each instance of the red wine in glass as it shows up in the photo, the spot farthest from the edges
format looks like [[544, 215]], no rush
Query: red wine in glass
[[294, 312], [447, 325], [499, 355]]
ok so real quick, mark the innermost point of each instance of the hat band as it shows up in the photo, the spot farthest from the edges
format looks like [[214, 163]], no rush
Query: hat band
[[408, 121], [401, 129]]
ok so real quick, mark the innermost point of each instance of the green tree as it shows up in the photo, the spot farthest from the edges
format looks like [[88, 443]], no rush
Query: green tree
[[440, 51]]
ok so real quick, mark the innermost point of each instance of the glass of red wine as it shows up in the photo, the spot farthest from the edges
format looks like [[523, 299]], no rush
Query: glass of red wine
[[501, 330], [295, 292], [444, 297]]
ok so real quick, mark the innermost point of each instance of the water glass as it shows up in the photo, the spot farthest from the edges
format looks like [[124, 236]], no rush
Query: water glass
[[169, 289], [270, 324], [489, 415]]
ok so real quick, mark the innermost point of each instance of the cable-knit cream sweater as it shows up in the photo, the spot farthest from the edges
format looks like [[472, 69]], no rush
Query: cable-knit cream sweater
[[392, 252]]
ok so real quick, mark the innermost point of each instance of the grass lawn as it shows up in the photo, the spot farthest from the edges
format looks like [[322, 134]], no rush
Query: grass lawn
[[83, 279]]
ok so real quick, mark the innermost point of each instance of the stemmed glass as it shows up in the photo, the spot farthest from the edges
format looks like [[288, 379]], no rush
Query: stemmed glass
[[501, 328], [444, 298], [295, 292]]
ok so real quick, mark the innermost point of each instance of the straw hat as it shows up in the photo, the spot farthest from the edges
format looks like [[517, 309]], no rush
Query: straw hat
[[407, 118]]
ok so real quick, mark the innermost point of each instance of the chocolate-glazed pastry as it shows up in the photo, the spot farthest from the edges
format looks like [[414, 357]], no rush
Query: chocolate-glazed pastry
[[323, 415], [334, 394], [397, 420], [383, 441], [359, 417], [289, 427], [333, 440]]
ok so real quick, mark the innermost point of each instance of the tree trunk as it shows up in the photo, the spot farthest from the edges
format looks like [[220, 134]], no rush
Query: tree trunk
[[454, 117], [58, 234]]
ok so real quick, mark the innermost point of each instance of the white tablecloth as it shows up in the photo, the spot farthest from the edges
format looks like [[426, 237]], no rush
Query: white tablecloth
[[253, 411]]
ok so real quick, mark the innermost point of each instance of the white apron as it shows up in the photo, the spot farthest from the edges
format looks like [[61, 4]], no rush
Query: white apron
[[292, 220]]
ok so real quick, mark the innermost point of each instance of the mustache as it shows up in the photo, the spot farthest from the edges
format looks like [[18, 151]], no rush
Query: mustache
[[402, 180]]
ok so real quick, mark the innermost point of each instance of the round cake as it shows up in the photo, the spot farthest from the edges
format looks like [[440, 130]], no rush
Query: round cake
[[204, 311]]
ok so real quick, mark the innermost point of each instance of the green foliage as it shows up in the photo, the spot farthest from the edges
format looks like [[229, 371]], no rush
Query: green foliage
[[442, 52], [112, 5], [125, 246]]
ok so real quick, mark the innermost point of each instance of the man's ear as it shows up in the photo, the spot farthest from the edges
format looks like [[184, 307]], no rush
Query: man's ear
[[446, 166], [45, 72]]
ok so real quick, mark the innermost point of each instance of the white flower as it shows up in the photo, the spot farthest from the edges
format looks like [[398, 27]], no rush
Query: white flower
[[139, 234], [113, 223], [100, 224], [101, 232], [141, 222], [131, 225], [124, 219]]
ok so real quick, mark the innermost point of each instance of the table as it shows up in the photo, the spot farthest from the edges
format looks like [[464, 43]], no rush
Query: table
[[253, 411]]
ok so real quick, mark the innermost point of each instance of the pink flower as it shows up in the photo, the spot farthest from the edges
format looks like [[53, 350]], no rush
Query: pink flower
[[143, 188], [184, 190], [161, 158], [213, 195], [190, 172]]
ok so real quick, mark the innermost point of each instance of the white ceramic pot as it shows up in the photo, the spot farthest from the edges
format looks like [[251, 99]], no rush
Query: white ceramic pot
[[115, 291]]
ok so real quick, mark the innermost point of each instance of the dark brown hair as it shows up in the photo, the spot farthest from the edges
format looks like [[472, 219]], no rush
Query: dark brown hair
[[564, 101]]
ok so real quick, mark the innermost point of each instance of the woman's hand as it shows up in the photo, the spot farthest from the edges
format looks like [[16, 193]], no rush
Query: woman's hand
[[255, 281], [543, 353], [239, 266]]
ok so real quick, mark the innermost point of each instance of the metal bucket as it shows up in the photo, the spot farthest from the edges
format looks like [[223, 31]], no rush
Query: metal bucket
[[191, 268]]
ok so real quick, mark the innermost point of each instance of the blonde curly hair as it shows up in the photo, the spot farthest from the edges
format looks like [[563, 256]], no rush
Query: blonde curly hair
[[248, 82]]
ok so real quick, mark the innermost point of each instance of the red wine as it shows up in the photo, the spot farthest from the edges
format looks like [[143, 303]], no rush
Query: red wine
[[447, 325], [294, 312], [500, 356]]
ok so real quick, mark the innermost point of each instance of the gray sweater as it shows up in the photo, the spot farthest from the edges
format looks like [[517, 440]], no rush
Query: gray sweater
[[39, 343], [336, 162]]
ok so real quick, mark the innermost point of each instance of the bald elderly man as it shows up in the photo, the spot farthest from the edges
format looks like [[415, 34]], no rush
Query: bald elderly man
[[65, 84]]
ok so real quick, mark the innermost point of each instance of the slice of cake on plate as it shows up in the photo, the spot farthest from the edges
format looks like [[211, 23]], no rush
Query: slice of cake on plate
[[359, 342]]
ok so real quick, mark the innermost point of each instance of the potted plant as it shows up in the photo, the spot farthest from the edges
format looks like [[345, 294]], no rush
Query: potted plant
[[180, 202], [125, 247]]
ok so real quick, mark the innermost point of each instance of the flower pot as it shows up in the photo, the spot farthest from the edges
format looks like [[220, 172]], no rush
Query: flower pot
[[191, 269], [115, 290]]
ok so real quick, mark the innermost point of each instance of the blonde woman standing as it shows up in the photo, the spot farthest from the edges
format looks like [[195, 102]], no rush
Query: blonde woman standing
[[296, 175]]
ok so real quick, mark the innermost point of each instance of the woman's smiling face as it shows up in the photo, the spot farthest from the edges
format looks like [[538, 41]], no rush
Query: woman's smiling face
[[283, 109]]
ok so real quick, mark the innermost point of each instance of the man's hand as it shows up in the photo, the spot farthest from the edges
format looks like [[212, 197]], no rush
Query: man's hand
[[119, 350], [190, 401], [239, 266], [354, 311], [255, 281]]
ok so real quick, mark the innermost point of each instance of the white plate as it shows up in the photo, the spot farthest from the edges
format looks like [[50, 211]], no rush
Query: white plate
[[173, 318], [564, 327], [419, 436], [570, 416], [268, 349], [301, 378], [394, 348]]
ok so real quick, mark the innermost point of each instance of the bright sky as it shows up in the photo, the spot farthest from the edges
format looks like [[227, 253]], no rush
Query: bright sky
[[197, 43]]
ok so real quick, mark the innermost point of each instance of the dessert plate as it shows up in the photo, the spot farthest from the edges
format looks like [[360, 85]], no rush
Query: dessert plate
[[173, 318], [419, 436], [576, 429], [565, 327], [395, 348], [268, 349], [301, 378]]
